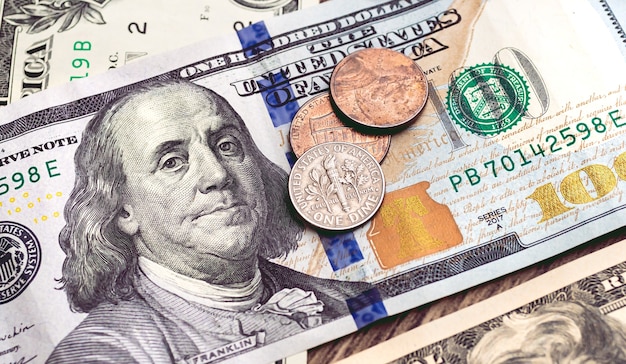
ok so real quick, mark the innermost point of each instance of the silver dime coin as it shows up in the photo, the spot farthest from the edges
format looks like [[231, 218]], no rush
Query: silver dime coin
[[336, 186]]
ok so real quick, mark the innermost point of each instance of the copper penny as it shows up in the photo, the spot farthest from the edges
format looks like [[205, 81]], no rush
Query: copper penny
[[316, 123], [379, 88]]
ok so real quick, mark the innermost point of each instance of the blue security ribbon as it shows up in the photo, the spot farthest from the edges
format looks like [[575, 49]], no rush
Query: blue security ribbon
[[342, 250]]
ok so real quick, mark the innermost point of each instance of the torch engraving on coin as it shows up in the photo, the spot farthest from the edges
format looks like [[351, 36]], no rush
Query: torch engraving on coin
[[379, 88], [336, 186], [316, 123]]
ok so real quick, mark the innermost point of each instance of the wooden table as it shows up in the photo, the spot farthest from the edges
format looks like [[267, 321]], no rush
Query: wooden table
[[391, 326]]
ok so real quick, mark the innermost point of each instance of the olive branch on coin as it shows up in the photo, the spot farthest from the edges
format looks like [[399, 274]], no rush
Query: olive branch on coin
[[43, 14], [321, 187]]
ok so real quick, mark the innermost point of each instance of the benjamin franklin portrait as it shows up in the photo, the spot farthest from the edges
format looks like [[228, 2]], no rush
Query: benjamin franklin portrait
[[170, 228]]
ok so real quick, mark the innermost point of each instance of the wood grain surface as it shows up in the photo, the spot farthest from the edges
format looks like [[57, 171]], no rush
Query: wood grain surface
[[391, 326]]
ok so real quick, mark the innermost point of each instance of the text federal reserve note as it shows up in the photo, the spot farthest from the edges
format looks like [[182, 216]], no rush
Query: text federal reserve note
[[571, 314], [46, 43], [145, 214]]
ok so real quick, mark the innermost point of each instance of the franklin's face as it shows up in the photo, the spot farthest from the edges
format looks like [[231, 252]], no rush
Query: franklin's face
[[193, 187]]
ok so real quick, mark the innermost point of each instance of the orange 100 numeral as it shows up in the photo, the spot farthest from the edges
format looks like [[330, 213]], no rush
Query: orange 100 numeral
[[573, 189]]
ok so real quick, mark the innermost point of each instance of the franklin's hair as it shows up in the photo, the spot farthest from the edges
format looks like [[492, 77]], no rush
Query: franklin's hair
[[101, 260], [558, 332]]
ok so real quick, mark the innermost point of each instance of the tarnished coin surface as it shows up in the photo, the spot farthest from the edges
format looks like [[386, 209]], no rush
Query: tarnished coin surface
[[379, 88], [336, 186], [316, 123]]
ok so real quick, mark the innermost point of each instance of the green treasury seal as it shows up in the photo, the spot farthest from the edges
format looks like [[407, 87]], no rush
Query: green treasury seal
[[487, 99]]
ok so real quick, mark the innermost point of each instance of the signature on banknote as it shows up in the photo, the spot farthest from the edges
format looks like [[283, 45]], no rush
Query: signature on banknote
[[17, 330], [23, 360], [8, 336]]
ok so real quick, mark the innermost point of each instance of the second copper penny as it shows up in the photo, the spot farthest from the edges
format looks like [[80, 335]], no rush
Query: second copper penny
[[316, 123], [379, 88]]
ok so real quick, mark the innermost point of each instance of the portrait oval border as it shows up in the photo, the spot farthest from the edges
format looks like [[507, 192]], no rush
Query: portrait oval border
[[261, 5]]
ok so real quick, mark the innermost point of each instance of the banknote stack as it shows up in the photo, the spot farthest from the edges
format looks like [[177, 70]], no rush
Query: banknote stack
[[574, 313], [146, 210]]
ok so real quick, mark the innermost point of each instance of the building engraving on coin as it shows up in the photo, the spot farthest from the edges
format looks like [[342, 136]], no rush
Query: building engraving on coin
[[316, 123], [336, 186]]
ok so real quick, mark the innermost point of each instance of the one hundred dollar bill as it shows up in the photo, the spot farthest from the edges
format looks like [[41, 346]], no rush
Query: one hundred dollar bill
[[144, 210], [46, 43], [573, 313]]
